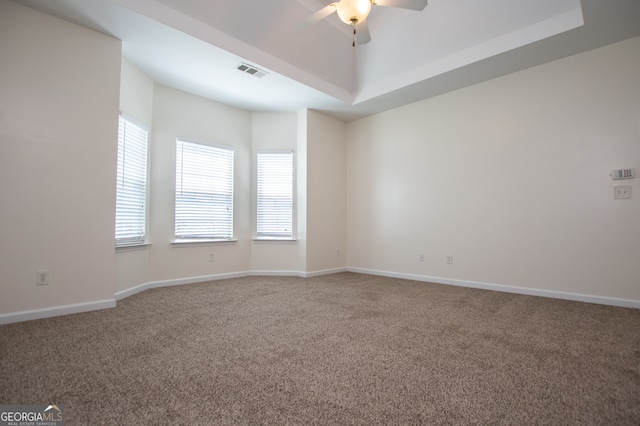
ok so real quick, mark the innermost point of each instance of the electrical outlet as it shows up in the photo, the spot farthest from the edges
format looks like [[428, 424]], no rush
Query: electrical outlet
[[42, 277], [450, 259], [212, 257], [421, 257], [338, 253]]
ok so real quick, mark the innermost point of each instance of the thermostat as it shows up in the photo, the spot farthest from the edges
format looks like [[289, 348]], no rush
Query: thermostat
[[621, 174]]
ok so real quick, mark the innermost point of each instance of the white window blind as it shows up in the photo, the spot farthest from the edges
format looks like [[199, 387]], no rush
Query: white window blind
[[275, 195], [131, 193], [204, 192]]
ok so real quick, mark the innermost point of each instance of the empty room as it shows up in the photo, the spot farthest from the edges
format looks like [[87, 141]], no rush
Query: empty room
[[314, 212]]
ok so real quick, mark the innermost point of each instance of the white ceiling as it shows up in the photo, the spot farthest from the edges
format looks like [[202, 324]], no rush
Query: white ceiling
[[195, 46]]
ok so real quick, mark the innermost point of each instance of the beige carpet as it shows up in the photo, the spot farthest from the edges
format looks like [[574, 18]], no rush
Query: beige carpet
[[338, 349]]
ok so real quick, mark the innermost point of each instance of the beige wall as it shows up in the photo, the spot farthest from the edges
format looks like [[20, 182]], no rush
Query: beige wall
[[510, 176], [136, 93], [59, 86], [326, 193], [136, 100], [178, 114], [273, 131], [301, 189]]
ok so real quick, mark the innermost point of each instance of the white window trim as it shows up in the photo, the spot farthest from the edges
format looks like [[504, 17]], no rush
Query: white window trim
[[202, 242], [131, 244], [187, 240], [271, 238], [133, 247]]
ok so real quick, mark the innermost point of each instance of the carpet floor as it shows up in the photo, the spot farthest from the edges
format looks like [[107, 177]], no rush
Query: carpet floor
[[347, 348]]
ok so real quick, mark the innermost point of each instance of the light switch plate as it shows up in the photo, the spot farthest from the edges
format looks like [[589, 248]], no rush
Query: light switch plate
[[621, 192]]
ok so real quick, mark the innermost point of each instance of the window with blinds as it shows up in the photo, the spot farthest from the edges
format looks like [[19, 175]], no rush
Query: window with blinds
[[131, 193], [275, 195], [204, 192]]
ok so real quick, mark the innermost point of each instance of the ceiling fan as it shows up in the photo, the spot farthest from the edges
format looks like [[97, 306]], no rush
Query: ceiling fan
[[355, 12]]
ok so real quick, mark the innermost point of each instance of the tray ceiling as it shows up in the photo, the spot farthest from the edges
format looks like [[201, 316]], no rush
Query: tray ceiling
[[196, 46]]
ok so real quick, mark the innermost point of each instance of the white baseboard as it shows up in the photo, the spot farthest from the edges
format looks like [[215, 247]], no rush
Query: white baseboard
[[111, 303], [325, 272], [57, 311], [180, 281], [577, 297], [193, 280], [277, 273], [301, 274]]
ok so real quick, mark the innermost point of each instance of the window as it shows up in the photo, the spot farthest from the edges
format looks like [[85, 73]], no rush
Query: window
[[204, 192], [131, 193], [275, 195]]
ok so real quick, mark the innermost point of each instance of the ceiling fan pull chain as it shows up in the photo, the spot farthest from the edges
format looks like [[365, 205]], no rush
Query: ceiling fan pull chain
[[354, 36]]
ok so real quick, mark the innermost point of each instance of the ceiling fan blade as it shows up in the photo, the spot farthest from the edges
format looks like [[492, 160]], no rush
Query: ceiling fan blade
[[316, 17], [403, 4], [362, 32]]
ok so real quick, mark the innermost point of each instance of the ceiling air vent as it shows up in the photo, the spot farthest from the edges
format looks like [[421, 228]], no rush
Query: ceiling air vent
[[250, 69]]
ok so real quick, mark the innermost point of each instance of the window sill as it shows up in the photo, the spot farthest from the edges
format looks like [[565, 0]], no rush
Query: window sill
[[184, 243], [274, 240], [132, 247]]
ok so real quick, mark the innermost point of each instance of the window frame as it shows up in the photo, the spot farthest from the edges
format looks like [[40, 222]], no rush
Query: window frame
[[219, 151], [260, 233], [122, 242]]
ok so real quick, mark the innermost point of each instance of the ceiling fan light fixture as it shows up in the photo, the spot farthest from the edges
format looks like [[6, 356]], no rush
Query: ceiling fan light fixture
[[352, 12]]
